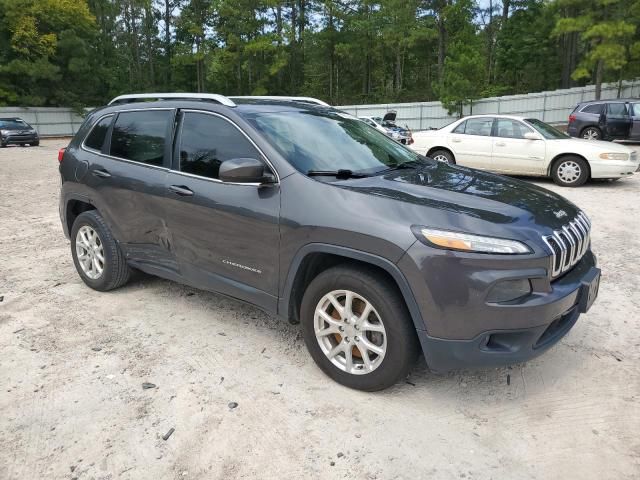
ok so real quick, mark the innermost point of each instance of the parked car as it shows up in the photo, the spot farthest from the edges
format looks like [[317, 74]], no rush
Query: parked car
[[525, 146], [388, 126], [15, 131], [309, 214], [606, 120]]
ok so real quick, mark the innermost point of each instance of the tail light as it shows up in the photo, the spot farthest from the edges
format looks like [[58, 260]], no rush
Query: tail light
[[61, 154], [572, 118]]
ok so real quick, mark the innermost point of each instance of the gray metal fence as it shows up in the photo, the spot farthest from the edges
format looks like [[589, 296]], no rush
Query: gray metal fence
[[553, 107], [48, 121]]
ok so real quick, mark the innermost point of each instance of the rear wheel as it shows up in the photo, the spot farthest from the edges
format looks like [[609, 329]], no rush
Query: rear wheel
[[35, 144], [591, 133], [357, 328], [570, 171], [96, 254], [443, 156]]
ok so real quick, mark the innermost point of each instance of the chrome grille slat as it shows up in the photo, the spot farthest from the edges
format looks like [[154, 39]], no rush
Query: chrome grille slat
[[568, 244]]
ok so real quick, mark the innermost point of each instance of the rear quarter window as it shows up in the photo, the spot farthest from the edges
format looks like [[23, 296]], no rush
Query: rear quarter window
[[594, 108], [98, 134], [140, 136]]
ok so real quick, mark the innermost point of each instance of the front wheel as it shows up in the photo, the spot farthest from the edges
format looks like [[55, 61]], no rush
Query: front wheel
[[570, 171], [357, 328], [443, 156], [591, 133], [96, 254]]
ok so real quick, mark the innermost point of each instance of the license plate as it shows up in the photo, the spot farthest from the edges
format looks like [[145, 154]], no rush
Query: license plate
[[589, 289]]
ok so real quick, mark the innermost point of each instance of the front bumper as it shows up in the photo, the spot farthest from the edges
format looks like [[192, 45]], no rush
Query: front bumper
[[613, 168], [462, 330], [22, 139]]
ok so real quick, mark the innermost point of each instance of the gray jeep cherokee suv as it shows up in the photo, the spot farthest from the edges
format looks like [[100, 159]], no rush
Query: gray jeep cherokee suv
[[314, 216]]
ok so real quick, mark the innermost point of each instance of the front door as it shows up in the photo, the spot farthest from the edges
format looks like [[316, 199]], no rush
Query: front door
[[471, 142], [615, 121], [512, 153], [225, 236]]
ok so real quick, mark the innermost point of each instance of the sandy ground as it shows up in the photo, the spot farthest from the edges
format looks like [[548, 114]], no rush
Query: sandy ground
[[74, 360]]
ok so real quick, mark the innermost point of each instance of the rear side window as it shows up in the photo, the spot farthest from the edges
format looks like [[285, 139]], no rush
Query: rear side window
[[595, 108], [460, 128], [97, 135], [140, 136], [207, 140], [636, 109], [478, 126]]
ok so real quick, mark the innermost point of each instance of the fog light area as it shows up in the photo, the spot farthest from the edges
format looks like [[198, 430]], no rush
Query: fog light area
[[509, 290]]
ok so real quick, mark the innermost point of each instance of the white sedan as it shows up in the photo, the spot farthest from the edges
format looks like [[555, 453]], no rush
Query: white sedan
[[525, 146]]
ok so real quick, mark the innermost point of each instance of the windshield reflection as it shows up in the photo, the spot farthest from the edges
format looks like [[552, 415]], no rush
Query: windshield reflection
[[328, 140]]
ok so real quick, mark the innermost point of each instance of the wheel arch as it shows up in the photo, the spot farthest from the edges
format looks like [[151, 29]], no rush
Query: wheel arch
[[313, 259], [560, 156], [433, 149], [74, 206], [596, 126]]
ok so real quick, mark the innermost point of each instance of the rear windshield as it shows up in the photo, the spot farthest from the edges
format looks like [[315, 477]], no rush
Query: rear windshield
[[12, 124], [327, 140]]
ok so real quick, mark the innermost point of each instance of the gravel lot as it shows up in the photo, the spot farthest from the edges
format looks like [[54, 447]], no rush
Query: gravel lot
[[74, 361]]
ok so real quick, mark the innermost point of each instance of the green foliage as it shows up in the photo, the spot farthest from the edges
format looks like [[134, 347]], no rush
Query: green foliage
[[83, 52]]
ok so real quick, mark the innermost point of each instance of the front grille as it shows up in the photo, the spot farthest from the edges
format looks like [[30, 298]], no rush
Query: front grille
[[569, 244]]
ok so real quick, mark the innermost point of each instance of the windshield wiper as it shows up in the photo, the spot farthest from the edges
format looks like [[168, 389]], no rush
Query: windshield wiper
[[339, 174]]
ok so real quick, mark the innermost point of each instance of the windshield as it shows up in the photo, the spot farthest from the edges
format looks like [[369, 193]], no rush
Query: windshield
[[11, 124], [546, 130], [325, 140]]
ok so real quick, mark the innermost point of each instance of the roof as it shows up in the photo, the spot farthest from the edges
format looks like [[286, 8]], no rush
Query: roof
[[603, 100]]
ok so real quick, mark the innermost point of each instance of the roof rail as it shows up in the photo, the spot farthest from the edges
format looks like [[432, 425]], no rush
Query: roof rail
[[170, 96], [312, 100]]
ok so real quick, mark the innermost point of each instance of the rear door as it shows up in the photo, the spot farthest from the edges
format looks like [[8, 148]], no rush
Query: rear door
[[471, 142], [615, 121], [225, 236], [635, 118], [512, 153], [127, 175]]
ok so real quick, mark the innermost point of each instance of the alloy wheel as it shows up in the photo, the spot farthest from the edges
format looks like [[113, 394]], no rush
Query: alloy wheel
[[591, 134], [90, 252], [350, 332]]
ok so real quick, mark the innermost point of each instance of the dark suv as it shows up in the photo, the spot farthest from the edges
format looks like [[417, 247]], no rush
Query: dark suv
[[312, 215], [15, 131], [617, 119]]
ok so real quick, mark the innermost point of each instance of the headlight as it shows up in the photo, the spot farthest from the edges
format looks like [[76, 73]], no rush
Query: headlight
[[614, 156], [4, 132], [469, 243]]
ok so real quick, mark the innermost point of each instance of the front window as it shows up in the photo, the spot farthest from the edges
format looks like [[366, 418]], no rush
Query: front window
[[330, 141], [546, 130], [507, 128]]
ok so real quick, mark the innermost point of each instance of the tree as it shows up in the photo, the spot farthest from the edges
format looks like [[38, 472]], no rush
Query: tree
[[606, 32]]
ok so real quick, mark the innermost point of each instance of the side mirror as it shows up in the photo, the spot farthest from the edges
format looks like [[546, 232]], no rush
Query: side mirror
[[244, 170], [532, 136]]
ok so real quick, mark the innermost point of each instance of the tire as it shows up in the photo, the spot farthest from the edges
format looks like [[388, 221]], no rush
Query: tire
[[396, 340], [591, 133], [35, 144], [570, 171], [443, 156], [115, 271]]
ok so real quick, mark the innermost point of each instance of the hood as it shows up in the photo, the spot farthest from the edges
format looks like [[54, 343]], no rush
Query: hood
[[389, 117], [581, 145], [472, 193]]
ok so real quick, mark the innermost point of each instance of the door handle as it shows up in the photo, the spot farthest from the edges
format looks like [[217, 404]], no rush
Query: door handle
[[181, 190], [456, 140], [101, 173], [500, 144]]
